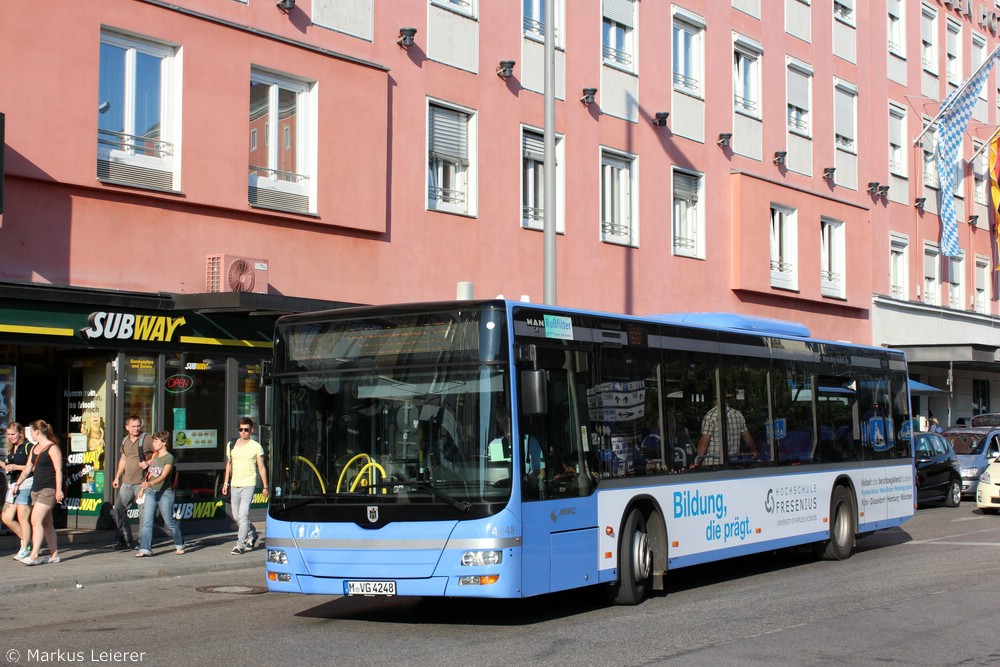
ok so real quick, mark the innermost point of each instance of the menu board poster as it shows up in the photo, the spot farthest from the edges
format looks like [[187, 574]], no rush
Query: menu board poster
[[8, 382]]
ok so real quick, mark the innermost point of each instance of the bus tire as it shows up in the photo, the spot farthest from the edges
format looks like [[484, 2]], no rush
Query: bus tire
[[635, 562], [843, 527]]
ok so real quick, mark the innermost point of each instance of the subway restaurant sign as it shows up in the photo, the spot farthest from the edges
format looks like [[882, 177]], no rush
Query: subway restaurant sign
[[184, 510], [121, 328]]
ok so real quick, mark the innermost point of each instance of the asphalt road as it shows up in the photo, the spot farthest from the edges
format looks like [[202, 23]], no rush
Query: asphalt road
[[923, 594]]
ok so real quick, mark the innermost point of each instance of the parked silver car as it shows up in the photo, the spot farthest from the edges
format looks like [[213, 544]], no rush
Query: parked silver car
[[976, 449]]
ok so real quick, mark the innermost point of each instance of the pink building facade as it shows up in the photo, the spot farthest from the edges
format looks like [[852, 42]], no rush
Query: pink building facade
[[222, 162]]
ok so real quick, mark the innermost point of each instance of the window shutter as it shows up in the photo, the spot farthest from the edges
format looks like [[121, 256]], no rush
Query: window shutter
[[895, 130], [930, 261], [798, 88], [927, 28], [951, 41], [449, 135], [685, 186], [893, 7], [981, 278], [844, 113], [620, 11], [533, 145]]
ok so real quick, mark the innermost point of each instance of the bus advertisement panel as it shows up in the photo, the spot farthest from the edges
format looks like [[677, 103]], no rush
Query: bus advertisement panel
[[499, 449]]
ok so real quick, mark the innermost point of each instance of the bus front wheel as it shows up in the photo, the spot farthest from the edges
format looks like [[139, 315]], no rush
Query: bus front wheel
[[635, 562], [843, 520]]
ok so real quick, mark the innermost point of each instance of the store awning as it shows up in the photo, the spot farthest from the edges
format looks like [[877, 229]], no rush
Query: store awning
[[921, 389]]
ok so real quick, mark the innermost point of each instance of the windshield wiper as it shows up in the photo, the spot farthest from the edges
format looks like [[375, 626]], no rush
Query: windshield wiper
[[302, 503], [460, 505]]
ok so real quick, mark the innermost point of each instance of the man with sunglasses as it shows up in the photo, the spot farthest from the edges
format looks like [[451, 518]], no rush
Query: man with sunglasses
[[244, 460]]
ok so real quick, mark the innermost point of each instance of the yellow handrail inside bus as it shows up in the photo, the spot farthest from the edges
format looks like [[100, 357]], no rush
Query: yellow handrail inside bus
[[371, 474], [354, 458], [309, 463]]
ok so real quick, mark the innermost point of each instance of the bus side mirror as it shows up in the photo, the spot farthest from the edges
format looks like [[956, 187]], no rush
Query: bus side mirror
[[534, 392]]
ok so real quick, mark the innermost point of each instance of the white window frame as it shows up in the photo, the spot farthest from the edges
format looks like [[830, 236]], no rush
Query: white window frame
[[932, 274], [688, 52], [896, 28], [897, 140], [533, 178], [833, 261], [928, 39], [125, 146], [618, 34], [899, 267], [931, 178], [798, 117], [784, 247], [982, 280], [300, 182], [953, 52], [843, 11], [845, 119], [619, 212], [979, 54], [980, 173], [956, 284], [464, 7], [446, 163], [534, 24], [746, 77], [688, 223]]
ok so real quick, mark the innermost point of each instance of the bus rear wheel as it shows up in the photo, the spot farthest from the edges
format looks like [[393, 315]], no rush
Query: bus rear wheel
[[843, 528], [635, 562]]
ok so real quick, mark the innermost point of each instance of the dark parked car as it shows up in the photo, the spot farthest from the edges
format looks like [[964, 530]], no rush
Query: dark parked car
[[939, 477]]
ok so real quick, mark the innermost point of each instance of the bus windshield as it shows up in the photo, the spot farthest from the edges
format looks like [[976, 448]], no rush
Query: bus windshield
[[392, 410]]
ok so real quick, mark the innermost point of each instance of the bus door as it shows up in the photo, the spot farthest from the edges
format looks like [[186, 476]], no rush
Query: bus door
[[558, 510]]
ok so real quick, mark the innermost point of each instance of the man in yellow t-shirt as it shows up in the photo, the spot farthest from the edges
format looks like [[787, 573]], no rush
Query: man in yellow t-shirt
[[244, 459]]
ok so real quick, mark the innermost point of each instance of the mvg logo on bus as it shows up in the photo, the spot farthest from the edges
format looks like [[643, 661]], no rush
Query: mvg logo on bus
[[563, 511]]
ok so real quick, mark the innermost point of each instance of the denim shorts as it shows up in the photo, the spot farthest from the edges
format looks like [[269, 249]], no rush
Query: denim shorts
[[23, 496]]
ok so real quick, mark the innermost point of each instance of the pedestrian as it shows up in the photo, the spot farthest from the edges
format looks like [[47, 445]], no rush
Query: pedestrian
[[133, 453], [242, 455], [17, 506], [933, 425], [158, 492], [46, 462]]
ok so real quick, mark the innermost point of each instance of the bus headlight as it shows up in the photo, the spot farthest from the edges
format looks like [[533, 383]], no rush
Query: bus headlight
[[484, 580], [277, 556], [480, 558]]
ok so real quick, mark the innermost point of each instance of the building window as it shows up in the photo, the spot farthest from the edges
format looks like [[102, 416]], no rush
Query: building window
[[956, 292], [978, 58], [928, 41], [689, 220], [897, 134], [931, 279], [138, 121], [832, 258], [533, 180], [688, 54], [617, 199], [982, 280], [784, 248], [279, 171], [898, 267], [619, 22], [896, 38], [980, 396], [980, 169], [746, 79], [464, 7], [535, 19], [953, 52], [449, 159], [843, 10], [799, 84], [845, 100], [930, 157]]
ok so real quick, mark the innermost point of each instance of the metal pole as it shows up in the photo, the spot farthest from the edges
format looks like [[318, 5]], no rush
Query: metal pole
[[549, 216]]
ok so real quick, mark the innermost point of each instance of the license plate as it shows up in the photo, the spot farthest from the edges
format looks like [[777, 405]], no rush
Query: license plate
[[369, 588]]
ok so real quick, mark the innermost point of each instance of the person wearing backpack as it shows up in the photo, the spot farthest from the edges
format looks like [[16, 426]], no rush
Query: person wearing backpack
[[243, 455], [133, 455]]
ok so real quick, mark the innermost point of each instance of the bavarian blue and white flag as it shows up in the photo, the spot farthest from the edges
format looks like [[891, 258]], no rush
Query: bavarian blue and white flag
[[954, 117]]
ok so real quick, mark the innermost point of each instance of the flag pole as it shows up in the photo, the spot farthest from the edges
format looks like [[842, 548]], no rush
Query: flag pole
[[955, 94], [985, 145]]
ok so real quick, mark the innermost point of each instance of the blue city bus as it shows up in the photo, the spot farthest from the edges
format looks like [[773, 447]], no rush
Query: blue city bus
[[499, 449]]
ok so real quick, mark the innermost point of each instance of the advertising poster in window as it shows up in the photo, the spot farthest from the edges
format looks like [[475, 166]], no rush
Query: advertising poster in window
[[8, 376], [85, 449]]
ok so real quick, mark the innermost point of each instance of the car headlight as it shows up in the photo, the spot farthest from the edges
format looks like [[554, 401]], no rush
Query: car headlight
[[480, 558], [970, 473], [985, 478]]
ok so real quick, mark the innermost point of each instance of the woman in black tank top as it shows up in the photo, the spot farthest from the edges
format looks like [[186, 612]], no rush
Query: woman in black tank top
[[46, 463]]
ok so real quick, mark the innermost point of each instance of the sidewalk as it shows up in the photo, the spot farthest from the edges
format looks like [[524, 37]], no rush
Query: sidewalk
[[87, 558]]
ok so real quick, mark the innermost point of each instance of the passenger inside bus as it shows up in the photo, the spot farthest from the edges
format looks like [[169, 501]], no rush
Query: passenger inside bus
[[714, 433]]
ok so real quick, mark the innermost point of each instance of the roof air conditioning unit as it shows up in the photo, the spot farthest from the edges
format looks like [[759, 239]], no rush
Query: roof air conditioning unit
[[228, 273]]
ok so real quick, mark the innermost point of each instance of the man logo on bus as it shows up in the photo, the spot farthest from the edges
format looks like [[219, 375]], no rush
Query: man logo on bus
[[373, 514]]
